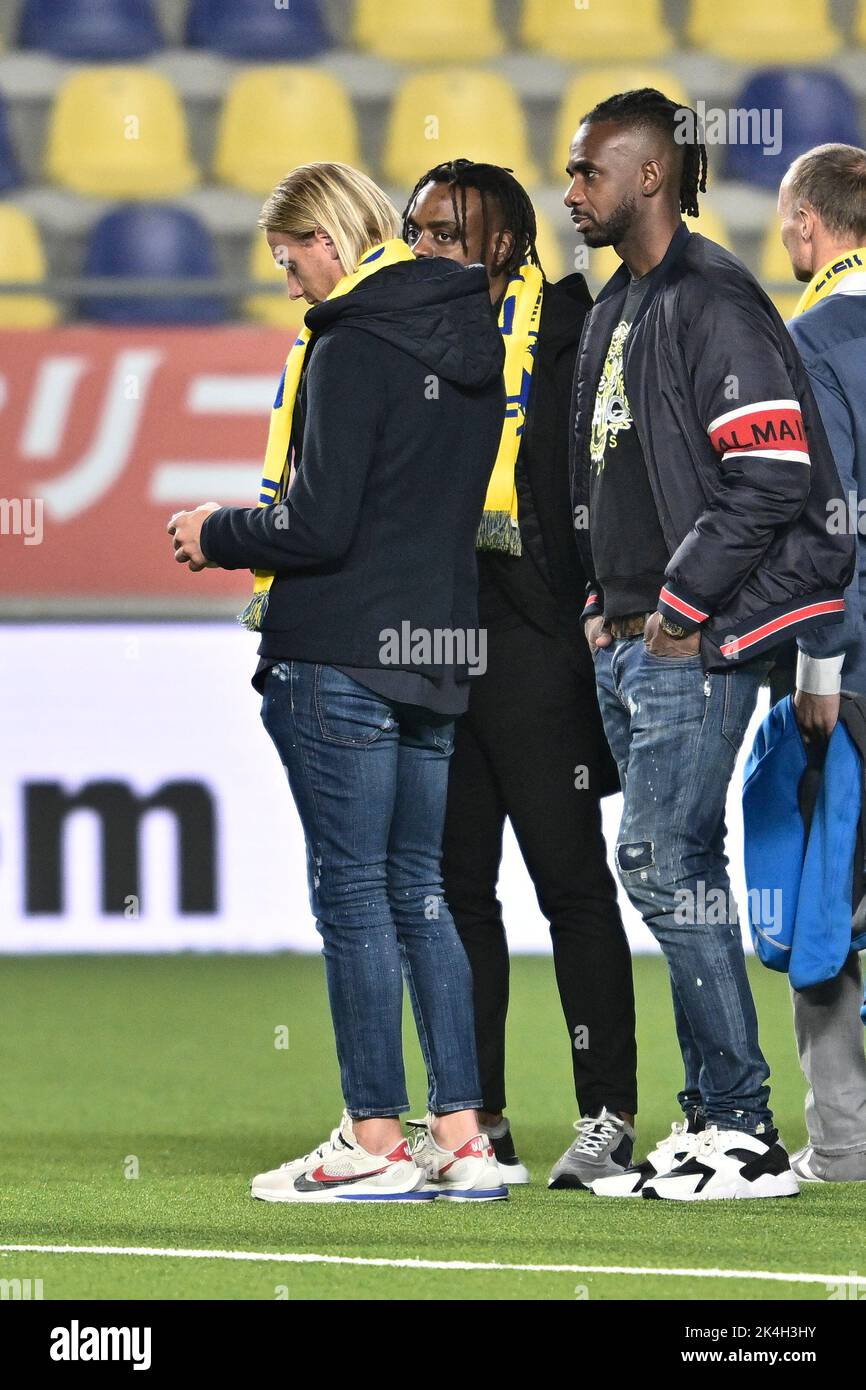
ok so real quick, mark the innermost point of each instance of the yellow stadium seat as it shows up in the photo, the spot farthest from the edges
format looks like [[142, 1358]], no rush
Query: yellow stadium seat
[[775, 261], [549, 246], [632, 30], [786, 301], [451, 31], [774, 31], [776, 273], [603, 260], [22, 259], [274, 310], [452, 114], [275, 118], [710, 225], [119, 132], [594, 86]]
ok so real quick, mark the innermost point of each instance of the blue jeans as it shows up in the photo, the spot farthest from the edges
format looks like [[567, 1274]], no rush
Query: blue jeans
[[675, 733], [369, 777]]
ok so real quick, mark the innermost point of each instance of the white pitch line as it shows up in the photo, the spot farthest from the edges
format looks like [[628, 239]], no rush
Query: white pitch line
[[274, 1257]]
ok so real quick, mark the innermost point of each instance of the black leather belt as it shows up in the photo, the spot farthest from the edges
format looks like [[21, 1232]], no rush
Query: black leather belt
[[632, 625]]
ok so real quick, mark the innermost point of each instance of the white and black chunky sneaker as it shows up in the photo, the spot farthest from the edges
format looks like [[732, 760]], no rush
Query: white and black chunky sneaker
[[728, 1163], [341, 1171], [667, 1154], [602, 1149]]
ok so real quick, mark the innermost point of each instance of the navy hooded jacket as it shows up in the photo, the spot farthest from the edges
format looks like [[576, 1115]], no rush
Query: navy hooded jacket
[[396, 429]]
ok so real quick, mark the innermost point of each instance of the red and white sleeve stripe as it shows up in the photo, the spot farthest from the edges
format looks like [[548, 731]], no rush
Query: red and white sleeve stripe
[[765, 430]]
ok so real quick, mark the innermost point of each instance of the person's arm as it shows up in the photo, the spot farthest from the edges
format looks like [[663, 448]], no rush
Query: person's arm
[[593, 605], [822, 649], [317, 521], [748, 407]]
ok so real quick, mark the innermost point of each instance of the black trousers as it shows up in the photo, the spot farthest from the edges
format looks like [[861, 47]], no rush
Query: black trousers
[[533, 722]]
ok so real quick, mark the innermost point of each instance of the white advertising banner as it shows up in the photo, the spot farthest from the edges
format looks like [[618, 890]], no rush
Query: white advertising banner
[[143, 807]]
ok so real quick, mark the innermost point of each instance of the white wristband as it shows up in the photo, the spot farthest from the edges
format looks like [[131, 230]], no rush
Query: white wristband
[[819, 675]]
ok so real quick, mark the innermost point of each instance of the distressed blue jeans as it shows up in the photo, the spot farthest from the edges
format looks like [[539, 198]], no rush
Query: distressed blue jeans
[[369, 777], [675, 733]]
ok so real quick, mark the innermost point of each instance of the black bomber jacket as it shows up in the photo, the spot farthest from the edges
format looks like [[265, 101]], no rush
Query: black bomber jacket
[[737, 457]]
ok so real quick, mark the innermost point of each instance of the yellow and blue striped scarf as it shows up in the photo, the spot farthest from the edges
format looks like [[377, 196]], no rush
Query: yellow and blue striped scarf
[[519, 318], [277, 467], [827, 278]]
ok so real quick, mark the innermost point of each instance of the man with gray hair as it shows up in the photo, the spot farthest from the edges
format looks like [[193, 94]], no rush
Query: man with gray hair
[[822, 208]]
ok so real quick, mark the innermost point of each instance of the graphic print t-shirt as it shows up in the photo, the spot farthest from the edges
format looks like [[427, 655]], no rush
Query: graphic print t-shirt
[[628, 549]]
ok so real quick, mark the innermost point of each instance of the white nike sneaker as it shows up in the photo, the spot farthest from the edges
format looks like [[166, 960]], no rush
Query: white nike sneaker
[[341, 1171], [514, 1173], [469, 1173], [727, 1163], [667, 1154]]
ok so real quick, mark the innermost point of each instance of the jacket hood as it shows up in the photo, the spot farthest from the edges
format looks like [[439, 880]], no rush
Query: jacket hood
[[564, 306], [433, 309]]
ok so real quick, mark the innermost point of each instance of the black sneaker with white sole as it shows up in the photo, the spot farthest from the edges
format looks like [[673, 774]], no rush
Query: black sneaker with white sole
[[728, 1163], [513, 1171]]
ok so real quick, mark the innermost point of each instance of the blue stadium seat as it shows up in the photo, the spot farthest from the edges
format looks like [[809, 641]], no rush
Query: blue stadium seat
[[10, 172], [258, 28], [114, 30], [817, 108], [151, 241]]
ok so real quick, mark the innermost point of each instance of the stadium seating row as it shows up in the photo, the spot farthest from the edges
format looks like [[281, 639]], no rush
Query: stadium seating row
[[778, 31], [161, 242], [120, 131]]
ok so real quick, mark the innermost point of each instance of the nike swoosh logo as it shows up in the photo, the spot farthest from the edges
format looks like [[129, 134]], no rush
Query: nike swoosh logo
[[318, 1180]]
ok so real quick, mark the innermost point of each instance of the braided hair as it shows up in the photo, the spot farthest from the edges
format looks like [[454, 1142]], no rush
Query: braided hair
[[492, 182], [645, 106]]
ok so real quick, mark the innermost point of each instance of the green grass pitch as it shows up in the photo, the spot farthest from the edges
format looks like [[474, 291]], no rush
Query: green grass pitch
[[167, 1066]]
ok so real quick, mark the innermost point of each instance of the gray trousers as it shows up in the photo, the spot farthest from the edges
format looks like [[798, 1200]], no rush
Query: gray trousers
[[830, 1041]]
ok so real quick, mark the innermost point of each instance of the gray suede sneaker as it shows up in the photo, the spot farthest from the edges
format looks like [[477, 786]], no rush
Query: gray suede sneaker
[[602, 1149], [810, 1166]]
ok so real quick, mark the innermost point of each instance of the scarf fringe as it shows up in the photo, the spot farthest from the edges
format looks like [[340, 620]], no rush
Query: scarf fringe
[[254, 614], [499, 531]]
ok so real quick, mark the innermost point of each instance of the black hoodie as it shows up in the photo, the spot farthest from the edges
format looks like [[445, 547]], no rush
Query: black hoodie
[[396, 430]]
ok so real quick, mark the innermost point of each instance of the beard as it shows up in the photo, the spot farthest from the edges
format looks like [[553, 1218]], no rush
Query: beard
[[615, 227]]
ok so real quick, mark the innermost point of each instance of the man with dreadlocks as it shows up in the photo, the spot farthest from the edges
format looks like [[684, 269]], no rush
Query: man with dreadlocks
[[531, 746], [700, 456]]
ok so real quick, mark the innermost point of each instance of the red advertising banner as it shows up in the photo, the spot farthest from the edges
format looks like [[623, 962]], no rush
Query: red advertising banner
[[107, 431]]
